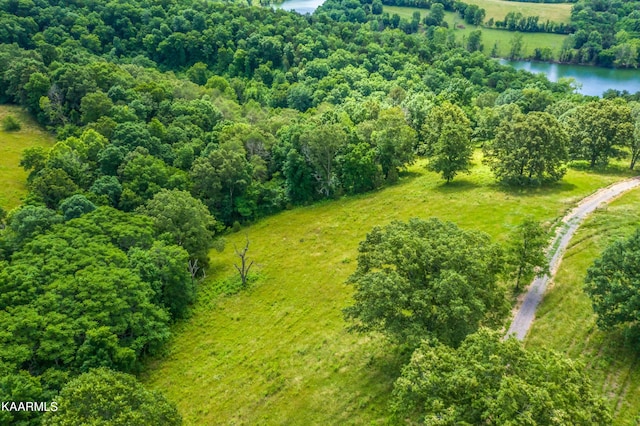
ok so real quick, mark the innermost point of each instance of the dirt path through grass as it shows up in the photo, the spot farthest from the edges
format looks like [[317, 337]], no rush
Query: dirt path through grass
[[525, 313]]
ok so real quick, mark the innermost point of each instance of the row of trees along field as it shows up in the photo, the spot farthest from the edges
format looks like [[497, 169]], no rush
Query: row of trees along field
[[604, 33], [176, 120]]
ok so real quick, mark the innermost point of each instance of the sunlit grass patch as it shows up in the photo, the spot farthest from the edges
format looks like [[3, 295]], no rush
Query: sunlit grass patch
[[12, 177]]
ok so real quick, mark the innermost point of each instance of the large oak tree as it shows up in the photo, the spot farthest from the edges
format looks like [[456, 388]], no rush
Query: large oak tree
[[426, 278], [528, 149]]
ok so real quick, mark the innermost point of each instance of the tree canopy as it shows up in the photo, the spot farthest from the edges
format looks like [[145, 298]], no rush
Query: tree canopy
[[528, 149], [488, 380], [599, 130], [176, 120], [447, 133], [526, 255], [105, 397], [421, 279], [613, 285]]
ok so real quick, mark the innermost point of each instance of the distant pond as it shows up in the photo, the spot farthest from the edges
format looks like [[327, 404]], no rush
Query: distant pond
[[594, 80], [300, 6]]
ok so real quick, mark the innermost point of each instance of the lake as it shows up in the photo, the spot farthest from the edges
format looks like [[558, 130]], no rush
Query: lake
[[300, 6], [594, 80]]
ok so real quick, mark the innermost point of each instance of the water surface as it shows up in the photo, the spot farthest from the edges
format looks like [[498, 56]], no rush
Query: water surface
[[300, 6], [593, 80]]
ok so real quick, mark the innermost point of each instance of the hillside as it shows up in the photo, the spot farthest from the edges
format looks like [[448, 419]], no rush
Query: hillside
[[279, 352]]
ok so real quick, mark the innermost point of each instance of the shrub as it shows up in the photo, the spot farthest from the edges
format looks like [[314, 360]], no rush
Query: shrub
[[10, 124]]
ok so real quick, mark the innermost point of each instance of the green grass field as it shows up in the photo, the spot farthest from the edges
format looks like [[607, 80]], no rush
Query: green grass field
[[490, 36], [12, 177], [279, 352], [565, 320], [498, 9]]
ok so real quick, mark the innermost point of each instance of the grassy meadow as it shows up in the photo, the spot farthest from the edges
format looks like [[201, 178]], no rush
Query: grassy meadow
[[12, 177], [565, 320], [279, 352], [498, 9], [490, 36]]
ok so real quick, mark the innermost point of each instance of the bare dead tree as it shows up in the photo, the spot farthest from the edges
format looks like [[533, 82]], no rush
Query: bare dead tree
[[193, 268], [245, 266]]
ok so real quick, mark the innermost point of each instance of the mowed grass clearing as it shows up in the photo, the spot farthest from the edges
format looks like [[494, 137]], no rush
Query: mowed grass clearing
[[279, 352], [12, 177], [498, 9], [490, 36], [566, 322]]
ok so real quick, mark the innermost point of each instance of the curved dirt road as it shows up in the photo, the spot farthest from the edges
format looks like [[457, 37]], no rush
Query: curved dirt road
[[525, 314]]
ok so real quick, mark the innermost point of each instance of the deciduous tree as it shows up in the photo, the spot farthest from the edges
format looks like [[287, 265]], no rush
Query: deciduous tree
[[599, 130], [103, 396], [321, 146], [426, 279], [526, 252], [488, 380], [182, 220], [613, 284], [528, 149], [447, 133]]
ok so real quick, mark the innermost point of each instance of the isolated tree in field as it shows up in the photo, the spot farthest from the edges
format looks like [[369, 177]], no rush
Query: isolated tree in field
[[10, 124], [426, 279], [102, 397], [613, 284], [436, 14], [447, 133], [599, 130], [528, 149], [526, 252], [245, 265], [488, 380]]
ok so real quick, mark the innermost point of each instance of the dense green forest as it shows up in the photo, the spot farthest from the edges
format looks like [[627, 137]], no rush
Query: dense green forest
[[178, 121]]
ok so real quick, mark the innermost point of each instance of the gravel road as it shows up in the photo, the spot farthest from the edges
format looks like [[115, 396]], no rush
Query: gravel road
[[525, 314]]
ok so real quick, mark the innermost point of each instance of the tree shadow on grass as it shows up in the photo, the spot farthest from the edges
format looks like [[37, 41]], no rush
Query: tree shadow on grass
[[534, 190], [404, 176], [612, 169], [384, 366], [456, 186]]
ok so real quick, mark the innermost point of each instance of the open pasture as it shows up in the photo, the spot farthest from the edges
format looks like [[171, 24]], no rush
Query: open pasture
[[279, 352]]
